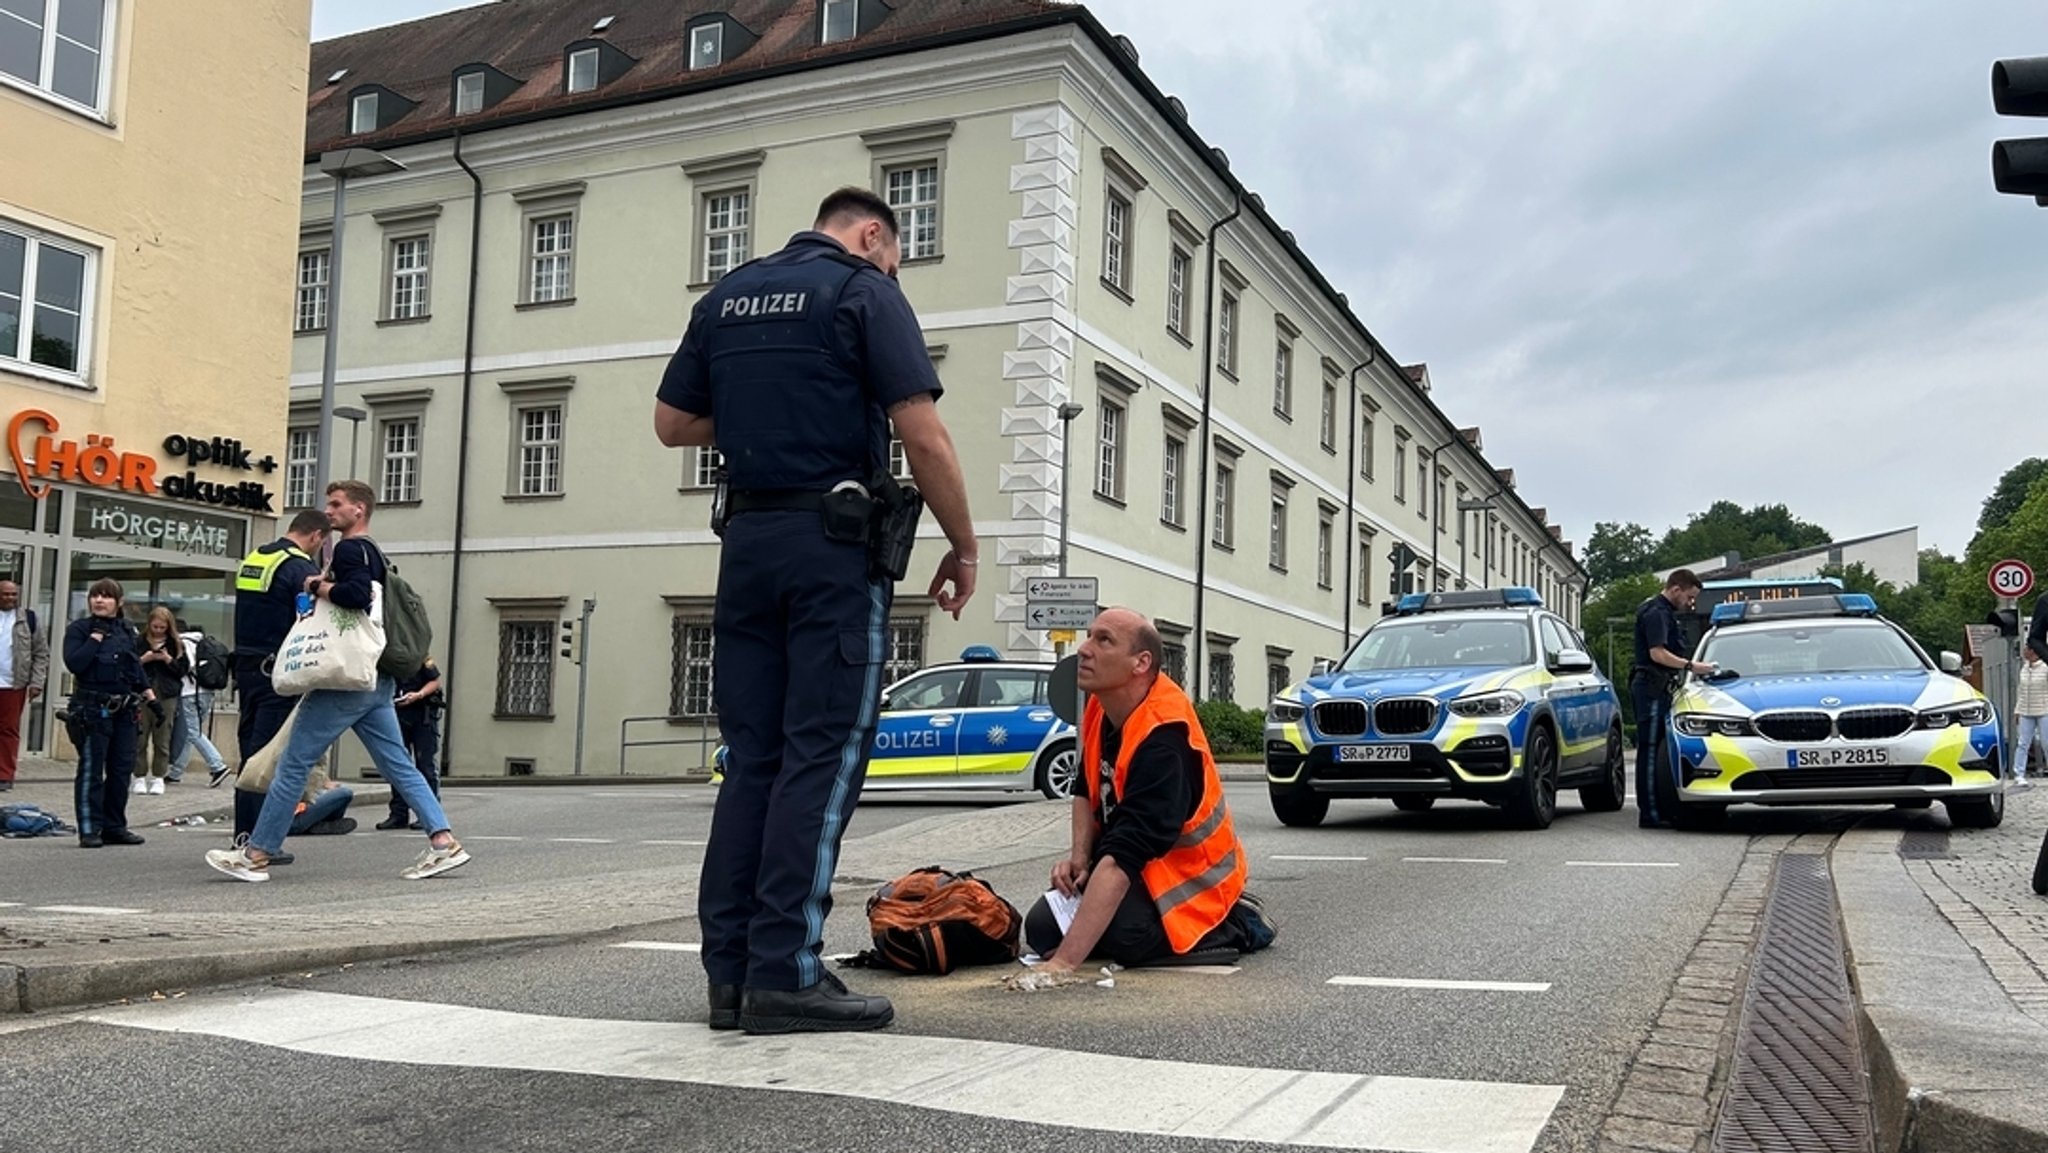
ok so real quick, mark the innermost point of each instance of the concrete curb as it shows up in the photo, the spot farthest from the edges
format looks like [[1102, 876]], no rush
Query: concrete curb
[[1954, 1066]]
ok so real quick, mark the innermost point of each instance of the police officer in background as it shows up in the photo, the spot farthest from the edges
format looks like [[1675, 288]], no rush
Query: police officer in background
[[795, 366], [1662, 656], [266, 605]]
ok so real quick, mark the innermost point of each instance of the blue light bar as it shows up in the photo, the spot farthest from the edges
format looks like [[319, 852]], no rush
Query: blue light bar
[[980, 653], [1729, 613], [1790, 608], [1517, 597], [1412, 603]]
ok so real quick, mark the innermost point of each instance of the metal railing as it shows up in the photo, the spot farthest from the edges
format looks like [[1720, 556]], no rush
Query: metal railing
[[707, 739]]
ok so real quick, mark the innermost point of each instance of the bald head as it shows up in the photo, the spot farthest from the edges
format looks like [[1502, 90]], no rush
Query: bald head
[[10, 595], [1122, 647]]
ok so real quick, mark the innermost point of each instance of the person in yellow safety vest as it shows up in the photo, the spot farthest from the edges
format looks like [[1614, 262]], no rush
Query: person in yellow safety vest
[[266, 595], [1156, 863]]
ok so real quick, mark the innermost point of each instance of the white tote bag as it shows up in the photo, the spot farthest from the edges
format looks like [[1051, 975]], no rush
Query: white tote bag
[[333, 648]]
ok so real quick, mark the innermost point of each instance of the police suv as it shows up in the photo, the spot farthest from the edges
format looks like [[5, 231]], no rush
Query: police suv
[[1481, 695], [980, 722], [1818, 700]]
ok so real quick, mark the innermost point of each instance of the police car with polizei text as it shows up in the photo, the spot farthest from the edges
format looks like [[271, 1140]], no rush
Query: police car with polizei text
[[1819, 700], [980, 722], [1481, 695]]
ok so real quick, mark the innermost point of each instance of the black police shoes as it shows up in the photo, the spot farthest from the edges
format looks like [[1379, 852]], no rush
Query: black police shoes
[[825, 1007], [121, 837], [89, 841], [725, 1006]]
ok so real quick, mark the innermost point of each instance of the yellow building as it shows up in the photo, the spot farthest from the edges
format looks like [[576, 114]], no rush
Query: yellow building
[[149, 196]]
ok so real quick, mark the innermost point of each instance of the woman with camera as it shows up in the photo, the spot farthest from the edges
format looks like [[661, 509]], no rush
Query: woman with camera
[[109, 691], [163, 659]]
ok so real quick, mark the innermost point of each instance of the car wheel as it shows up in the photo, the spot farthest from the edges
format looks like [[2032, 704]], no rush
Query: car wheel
[[1976, 812], [1299, 808], [1414, 804], [1612, 792], [1059, 771], [1534, 801], [1697, 818]]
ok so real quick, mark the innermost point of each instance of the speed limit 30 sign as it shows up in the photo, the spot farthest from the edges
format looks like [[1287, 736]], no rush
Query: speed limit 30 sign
[[2011, 578]]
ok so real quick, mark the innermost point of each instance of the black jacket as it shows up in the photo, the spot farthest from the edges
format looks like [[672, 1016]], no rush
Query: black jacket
[[108, 665]]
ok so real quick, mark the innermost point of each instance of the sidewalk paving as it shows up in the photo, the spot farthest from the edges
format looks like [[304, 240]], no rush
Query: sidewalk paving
[[1950, 960]]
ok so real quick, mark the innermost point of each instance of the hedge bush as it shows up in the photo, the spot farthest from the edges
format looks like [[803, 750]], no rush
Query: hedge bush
[[1230, 729]]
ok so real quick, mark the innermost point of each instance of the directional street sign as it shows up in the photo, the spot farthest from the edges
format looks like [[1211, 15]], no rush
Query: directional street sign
[[1058, 614], [1084, 589], [2011, 578]]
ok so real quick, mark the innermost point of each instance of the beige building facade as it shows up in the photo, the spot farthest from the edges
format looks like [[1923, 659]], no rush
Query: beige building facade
[[1069, 240], [145, 206]]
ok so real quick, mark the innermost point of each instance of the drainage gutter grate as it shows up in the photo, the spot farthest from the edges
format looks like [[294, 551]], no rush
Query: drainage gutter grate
[[1799, 1084], [1925, 845]]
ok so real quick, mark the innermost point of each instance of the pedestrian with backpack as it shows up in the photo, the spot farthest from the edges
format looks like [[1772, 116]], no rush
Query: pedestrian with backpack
[[210, 663], [24, 665]]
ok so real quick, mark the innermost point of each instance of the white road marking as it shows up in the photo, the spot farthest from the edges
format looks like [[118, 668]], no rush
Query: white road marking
[[581, 840], [1201, 970], [89, 910], [1415, 983], [1623, 864], [697, 844], [1454, 860], [661, 946], [974, 1078], [1289, 857], [10, 904]]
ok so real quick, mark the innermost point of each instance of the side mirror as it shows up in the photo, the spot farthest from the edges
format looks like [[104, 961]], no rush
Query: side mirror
[[1320, 668], [1572, 661], [1951, 663], [887, 704]]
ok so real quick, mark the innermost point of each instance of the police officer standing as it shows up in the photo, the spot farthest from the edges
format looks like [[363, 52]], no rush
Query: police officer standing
[[266, 605], [1662, 656], [795, 366]]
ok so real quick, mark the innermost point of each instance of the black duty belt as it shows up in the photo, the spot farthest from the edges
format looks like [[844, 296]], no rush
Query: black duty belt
[[775, 500]]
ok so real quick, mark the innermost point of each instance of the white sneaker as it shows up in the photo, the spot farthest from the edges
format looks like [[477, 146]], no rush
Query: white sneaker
[[237, 863], [434, 862], [141, 788], [156, 786]]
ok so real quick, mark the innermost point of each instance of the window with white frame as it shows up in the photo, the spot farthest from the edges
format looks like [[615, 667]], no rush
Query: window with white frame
[[1172, 479], [1326, 545], [840, 20], [1226, 334], [1440, 489], [314, 269], [707, 46], [691, 648], [1223, 521], [540, 450], [526, 668], [1277, 676], [1276, 529], [469, 94], [551, 258], [705, 466], [1365, 444], [1177, 269], [398, 460], [1364, 593], [899, 460], [362, 114], [1328, 423], [1116, 241], [913, 191], [906, 648], [1421, 484], [58, 47], [582, 70], [1283, 378], [728, 231], [411, 266], [1109, 450], [301, 457], [1400, 469], [45, 299]]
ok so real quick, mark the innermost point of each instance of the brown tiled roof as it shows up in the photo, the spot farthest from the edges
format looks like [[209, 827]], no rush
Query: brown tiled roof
[[527, 39], [1415, 372]]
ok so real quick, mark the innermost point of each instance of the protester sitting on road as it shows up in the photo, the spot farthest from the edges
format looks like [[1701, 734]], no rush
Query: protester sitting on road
[[323, 807], [108, 690], [1156, 861], [163, 659]]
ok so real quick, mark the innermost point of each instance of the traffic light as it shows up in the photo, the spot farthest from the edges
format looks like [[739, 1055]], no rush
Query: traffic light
[[2020, 88], [1400, 581], [569, 639], [2007, 620]]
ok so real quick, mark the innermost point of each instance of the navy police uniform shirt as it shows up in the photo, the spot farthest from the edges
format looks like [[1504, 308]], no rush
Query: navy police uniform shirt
[[1657, 627], [797, 357]]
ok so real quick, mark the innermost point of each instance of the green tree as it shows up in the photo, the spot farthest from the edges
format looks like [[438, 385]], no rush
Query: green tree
[[1610, 616], [2012, 490], [1618, 550], [1727, 527]]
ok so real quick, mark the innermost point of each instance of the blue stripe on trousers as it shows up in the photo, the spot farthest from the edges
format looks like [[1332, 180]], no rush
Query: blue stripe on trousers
[[810, 969]]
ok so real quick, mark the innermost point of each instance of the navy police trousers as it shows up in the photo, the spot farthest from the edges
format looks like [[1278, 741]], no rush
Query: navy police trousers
[[800, 635]]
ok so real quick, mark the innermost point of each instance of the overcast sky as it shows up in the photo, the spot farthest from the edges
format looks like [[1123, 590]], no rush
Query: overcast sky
[[1662, 253]]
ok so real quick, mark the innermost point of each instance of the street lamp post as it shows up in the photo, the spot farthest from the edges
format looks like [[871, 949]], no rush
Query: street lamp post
[[341, 165], [355, 418], [1067, 413]]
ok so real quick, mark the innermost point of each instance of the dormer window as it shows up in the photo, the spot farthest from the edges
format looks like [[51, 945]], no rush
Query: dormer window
[[469, 93], [707, 46], [583, 70], [842, 18], [362, 114]]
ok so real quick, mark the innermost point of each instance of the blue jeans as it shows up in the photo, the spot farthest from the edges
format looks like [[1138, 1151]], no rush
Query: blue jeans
[[191, 731], [331, 804], [323, 717]]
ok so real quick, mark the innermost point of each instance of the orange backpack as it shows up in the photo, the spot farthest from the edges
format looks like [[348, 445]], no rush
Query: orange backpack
[[935, 921]]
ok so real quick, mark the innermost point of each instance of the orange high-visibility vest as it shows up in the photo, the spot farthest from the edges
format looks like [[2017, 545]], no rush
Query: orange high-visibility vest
[[1200, 878]]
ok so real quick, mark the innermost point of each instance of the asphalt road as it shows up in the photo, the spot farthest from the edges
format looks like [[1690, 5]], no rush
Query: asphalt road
[[1575, 932]]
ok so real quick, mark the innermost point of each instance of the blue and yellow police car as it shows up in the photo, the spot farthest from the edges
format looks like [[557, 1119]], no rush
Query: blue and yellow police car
[[980, 722], [1483, 695], [1819, 700]]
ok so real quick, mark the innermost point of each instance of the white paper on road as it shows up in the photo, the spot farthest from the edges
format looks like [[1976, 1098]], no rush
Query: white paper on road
[[990, 1079], [1063, 909]]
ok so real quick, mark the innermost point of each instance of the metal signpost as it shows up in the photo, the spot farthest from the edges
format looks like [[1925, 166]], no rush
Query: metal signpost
[[2011, 579], [1060, 603]]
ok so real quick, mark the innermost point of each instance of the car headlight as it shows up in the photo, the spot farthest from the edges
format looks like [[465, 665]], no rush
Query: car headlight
[[1967, 713], [1282, 712], [1504, 703], [1708, 724]]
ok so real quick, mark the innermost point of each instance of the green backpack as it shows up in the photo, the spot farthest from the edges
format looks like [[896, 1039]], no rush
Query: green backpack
[[408, 634]]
